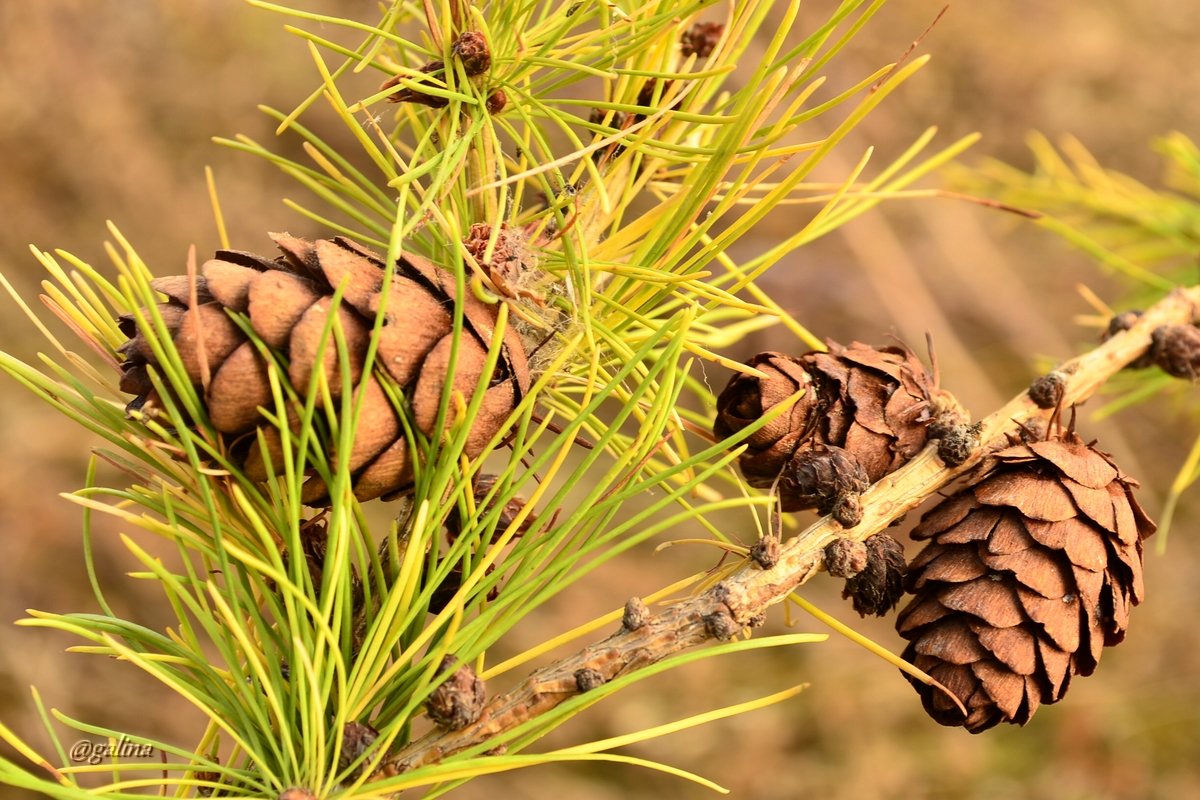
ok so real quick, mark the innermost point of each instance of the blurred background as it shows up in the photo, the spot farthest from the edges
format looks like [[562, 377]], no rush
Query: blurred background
[[106, 112]]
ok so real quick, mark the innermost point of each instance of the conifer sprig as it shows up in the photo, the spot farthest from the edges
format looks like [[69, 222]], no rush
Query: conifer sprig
[[617, 171]]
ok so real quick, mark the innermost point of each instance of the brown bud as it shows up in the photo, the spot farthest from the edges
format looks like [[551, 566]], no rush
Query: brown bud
[[449, 587], [511, 263], [636, 614], [649, 90], [436, 68], [765, 552], [314, 543], [471, 48], [1123, 322], [587, 679], [296, 793], [845, 557], [1047, 391], [207, 777], [701, 39], [357, 739], [958, 443], [496, 101], [1176, 350], [826, 478], [459, 700], [617, 121], [482, 487], [847, 510], [721, 625], [876, 590]]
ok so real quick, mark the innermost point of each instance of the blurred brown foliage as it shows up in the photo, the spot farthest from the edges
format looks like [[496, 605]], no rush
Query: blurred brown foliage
[[107, 109]]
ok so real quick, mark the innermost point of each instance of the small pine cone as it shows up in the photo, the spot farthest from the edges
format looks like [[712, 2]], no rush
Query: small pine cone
[[877, 589], [874, 404], [1029, 572], [287, 303]]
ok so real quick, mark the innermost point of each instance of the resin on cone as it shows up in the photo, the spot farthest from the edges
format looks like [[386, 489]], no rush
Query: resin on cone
[[287, 302], [1028, 574]]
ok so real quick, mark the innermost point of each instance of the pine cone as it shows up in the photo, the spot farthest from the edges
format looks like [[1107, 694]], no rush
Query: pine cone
[[877, 589], [1028, 574], [287, 303], [865, 412]]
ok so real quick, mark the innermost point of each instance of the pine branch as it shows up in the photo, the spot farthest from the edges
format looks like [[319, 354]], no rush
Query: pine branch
[[741, 600]]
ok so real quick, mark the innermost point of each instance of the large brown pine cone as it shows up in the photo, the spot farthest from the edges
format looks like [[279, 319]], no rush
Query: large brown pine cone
[[1028, 574], [865, 411], [287, 302]]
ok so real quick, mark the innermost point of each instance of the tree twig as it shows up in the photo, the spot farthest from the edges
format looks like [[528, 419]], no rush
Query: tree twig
[[740, 601]]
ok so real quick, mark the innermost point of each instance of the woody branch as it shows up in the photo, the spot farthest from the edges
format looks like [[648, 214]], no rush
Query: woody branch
[[740, 600]]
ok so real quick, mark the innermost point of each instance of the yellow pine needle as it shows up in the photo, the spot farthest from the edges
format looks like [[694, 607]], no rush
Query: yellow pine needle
[[1103, 310], [873, 647], [726, 546], [215, 201], [80, 364], [33, 318], [492, 765], [708, 355], [18, 744], [144, 662], [693, 721], [1183, 479], [250, 652]]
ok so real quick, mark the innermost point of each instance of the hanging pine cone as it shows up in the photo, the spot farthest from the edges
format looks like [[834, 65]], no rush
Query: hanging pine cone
[[287, 302], [865, 411], [1028, 574]]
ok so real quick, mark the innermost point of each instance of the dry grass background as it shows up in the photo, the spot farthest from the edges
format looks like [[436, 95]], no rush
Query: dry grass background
[[106, 108]]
